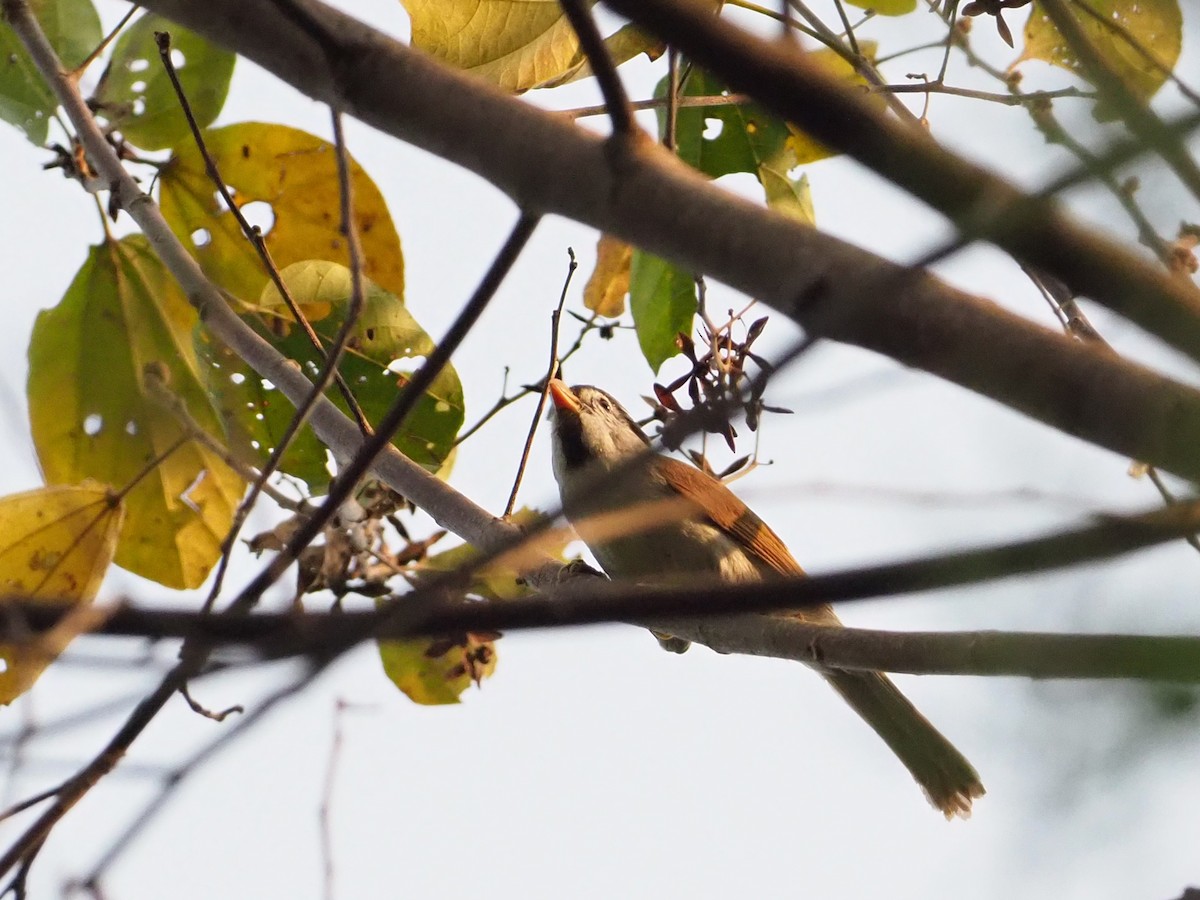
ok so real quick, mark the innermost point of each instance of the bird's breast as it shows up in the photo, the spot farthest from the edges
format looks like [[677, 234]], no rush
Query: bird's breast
[[676, 554]]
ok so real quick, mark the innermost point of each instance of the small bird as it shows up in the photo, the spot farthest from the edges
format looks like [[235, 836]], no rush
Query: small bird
[[707, 529]]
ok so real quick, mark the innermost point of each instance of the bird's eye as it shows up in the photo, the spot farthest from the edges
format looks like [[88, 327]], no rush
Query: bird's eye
[[605, 405]]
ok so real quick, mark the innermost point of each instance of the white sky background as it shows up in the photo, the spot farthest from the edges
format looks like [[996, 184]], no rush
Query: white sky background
[[592, 764]]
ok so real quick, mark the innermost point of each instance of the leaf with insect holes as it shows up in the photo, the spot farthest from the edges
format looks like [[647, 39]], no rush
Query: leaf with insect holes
[[437, 670], [73, 29], [747, 139], [136, 94], [515, 44], [282, 173], [662, 299], [95, 411], [605, 291], [1154, 26], [55, 543], [256, 413]]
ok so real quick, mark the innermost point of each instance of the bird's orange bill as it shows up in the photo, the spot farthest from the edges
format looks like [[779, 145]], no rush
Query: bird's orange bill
[[563, 397]]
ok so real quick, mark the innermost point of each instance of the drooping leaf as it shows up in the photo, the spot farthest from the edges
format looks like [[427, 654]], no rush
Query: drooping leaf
[[723, 140], [437, 670], [136, 93], [1155, 25], [515, 44], [886, 7], [605, 291], [285, 175], [56, 543], [663, 301], [256, 414], [104, 366], [73, 29]]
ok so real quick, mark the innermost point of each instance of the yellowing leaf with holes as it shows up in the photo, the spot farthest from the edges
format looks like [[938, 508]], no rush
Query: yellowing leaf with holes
[[606, 289], [382, 350], [136, 94], [285, 180], [722, 140], [107, 368], [1139, 39], [55, 543], [73, 29]]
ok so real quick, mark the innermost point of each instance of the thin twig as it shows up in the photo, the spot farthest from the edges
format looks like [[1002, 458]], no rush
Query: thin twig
[[28, 802], [659, 102], [329, 369], [172, 780], [592, 44], [551, 371], [108, 39]]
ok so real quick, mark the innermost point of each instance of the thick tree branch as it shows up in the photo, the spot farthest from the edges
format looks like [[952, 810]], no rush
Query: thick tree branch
[[546, 163]]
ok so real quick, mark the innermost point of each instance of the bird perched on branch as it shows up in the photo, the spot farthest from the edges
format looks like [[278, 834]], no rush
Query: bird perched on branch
[[662, 521]]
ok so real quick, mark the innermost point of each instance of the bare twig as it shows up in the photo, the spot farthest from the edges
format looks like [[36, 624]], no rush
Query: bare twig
[[108, 39], [592, 44], [550, 373]]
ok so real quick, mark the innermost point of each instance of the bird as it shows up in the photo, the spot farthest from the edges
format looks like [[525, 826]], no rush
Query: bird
[[707, 530]]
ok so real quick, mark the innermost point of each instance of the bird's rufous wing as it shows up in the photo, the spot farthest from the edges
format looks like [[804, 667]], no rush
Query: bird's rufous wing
[[724, 509]]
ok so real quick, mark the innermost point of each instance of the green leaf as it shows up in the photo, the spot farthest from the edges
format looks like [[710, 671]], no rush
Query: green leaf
[[256, 414], [73, 29], [886, 7], [1156, 25], [136, 92], [102, 365], [57, 543], [749, 140], [662, 299], [289, 176]]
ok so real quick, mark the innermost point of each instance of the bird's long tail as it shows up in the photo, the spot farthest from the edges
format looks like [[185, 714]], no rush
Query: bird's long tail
[[949, 781]]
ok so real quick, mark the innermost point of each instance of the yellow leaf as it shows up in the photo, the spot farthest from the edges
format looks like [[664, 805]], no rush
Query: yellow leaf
[[1155, 25], [436, 672], [97, 413], [289, 178], [606, 289], [804, 148], [515, 44], [56, 543]]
